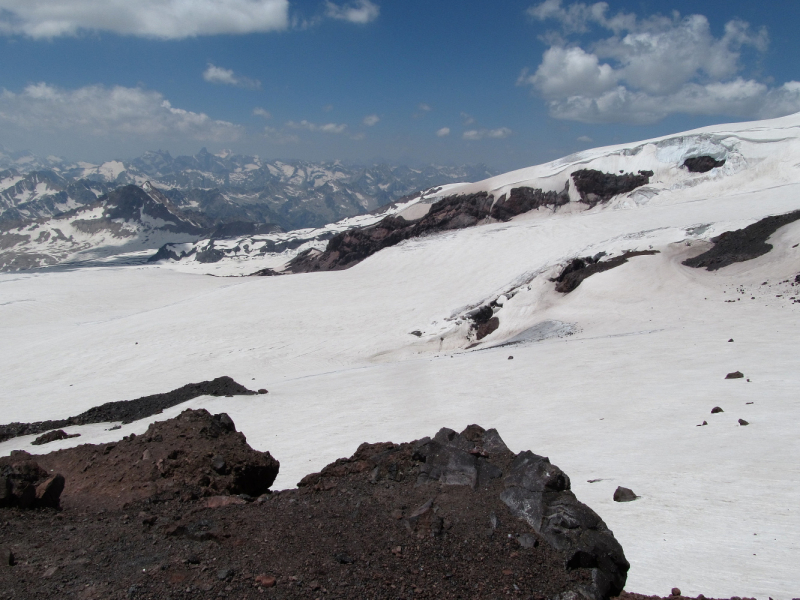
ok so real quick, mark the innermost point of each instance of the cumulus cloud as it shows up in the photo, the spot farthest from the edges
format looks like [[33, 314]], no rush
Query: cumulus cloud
[[424, 107], [360, 12], [468, 119], [218, 75], [443, 132], [650, 68], [105, 112], [479, 134], [371, 120], [260, 112], [585, 139], [166, 19], [326, 128]]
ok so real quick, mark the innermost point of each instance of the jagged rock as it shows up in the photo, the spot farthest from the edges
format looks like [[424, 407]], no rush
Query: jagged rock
[[734, 375], [597, 187], [742, 422], [623, 494], [52, 436], [702, 164], [539, 493], [48, 493]]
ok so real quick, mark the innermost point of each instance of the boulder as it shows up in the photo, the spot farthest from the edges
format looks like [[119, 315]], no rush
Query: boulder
[[48, 493], [734, 375], [623, 494], [52, 436], [702, 164], [716, 410]]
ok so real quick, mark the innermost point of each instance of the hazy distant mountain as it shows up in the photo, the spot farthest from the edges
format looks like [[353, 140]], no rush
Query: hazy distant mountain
[[223, 187]]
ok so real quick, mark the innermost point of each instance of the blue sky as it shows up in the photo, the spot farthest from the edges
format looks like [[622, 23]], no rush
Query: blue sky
[[509, 83]]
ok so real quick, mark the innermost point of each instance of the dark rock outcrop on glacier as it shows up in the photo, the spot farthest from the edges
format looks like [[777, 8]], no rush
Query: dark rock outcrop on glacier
[[742, 244], [596, 187], [702, 164], [581, 268], [453, 212], [128, 411]]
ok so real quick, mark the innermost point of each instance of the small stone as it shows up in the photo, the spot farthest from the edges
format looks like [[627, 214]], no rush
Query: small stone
[[218, 463], [266, 581], [263, 391], [508, 572], [344, 559], [6, 557], [716, 410], [223, 574], [528, 540], [703, 423], [397, 514], [734, 375], [622, 494], [510, 358], [742, 422], [676, 592], [730, 340]]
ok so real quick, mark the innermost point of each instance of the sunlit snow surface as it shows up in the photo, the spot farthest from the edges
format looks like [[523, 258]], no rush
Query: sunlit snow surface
[[618, 400]]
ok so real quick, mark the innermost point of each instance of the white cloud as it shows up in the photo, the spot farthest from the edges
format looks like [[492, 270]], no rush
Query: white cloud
[[468, 119], [107, 112], [260, 112], [166, 19], [479, 134], [326, 128], [585, 139], [360, 11], [650, 68], [371, 120], [214, 74], [424, 107], [443, 132]]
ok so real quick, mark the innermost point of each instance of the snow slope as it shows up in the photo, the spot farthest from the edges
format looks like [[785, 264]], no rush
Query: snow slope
[[610, 381]]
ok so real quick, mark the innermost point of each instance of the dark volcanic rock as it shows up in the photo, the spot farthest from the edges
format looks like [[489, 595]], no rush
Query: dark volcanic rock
[[24, 484], [623, 494], [743, 422], [422, 519], [196, 454], [735, 375], [597, 187], [716, 410], [581, 268], [52, 436], [742, 244], [702, 164], [453, 212], [128, 411]]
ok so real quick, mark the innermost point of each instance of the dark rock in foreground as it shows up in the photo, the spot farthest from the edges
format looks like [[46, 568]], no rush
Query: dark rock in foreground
[[128, 411], [742, 244], [175, 509]]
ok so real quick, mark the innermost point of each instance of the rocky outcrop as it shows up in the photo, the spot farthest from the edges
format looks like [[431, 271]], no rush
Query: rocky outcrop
[[742, 244], [581, 268], [596, 187], [536, 493], [52, 436], [195, 455], [453, 212], [702, 164], [24, 484], [128, 411]]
